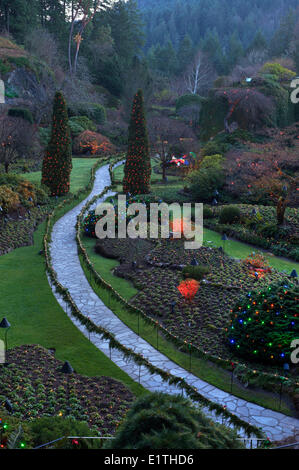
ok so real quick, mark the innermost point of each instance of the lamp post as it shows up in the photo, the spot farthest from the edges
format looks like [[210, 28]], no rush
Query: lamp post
[[224, 239], [214, 204], [294, 275], [286, 369], [8, 406], [194, 262], [68, 370], [6, 325], [232, 377]]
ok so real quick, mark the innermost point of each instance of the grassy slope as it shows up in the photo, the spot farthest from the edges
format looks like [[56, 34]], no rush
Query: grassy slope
[[27, 301], [241, 250], [155, 178], [80, 173]]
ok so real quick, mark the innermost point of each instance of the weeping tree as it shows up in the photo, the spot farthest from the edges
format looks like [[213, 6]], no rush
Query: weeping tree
[[57, 163], [138, 164]]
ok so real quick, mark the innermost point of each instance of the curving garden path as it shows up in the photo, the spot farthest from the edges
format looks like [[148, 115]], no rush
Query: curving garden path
[[66, 263]]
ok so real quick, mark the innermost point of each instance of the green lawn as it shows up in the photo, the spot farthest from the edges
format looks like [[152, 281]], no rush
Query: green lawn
[[79, 177], [36, 317], [155, 177], [241, 250]]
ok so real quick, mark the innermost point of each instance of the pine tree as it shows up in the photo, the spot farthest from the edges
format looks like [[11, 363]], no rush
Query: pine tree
[[138, 165], [57, 164]]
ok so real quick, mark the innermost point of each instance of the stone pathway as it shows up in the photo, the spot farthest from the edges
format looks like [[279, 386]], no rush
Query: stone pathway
[[66, 263]]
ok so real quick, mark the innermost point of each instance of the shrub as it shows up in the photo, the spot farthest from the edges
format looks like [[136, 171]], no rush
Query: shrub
[[94, 111], [278, 71], [48, 429], [196, 272], [230, 215], [27, 192], [207, 178], [93, 142], [4, 67], [9, 199], [271, 230], [188, 100], [44, 135], [211, 148], [89, 224], [265, 322], [21, 113], [160, 421], [207, 213], [79, 124]]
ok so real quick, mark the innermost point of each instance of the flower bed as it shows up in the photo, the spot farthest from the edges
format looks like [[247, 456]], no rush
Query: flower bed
[[203, 321], [35, 386]]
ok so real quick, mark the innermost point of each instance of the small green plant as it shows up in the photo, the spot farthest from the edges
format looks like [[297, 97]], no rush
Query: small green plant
[[230, 215], [80, 124], [278, 71], [207, 213], [196, 272]]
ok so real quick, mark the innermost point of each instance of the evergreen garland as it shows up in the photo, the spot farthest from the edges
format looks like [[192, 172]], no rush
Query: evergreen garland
[[57, 163], [138, 164]]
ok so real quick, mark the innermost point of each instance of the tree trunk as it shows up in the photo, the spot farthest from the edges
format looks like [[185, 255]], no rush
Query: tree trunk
[[6, 166], [164, 171], [280, 211]]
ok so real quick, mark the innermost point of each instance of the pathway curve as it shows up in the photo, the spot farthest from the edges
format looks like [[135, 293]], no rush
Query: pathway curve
[[66, 263]]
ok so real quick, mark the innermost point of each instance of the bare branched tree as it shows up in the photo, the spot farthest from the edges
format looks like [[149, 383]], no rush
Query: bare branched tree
[[17, 137], [165, 133], [83, 12], [200, 74]]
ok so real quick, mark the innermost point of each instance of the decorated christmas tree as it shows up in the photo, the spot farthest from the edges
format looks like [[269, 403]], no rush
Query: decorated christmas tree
[[57, 163], [265, 322], [138, 164]]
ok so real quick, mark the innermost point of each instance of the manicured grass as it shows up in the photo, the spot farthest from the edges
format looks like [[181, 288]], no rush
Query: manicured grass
[[201, 368], [241, 250], [155, 178], [105, 267], [79, 177]]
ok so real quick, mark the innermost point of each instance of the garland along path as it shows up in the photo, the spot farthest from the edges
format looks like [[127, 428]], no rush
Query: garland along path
[[66, 264]]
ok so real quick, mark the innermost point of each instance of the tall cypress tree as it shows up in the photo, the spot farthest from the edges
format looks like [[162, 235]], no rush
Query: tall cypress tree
[[138, 164], [57, 164]]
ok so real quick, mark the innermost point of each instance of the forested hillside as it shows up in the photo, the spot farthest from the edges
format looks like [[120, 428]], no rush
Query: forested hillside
[[224, 28]]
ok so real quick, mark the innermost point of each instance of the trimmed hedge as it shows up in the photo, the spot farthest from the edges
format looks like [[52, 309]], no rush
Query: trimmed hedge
[[21, 113]]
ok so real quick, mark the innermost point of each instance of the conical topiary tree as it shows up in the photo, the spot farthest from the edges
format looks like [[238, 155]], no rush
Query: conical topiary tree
[[138, 164], [57, 164]]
